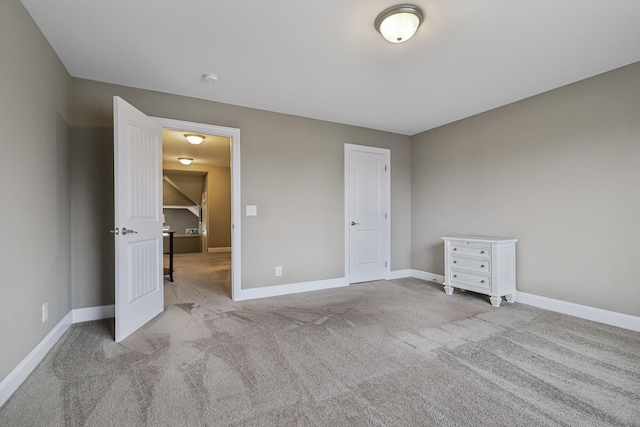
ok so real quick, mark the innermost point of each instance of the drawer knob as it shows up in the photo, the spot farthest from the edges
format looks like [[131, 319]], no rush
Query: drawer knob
[[481, 265], [481, 252], [455, 275], [481, 281], [455, 249], [455, 262]]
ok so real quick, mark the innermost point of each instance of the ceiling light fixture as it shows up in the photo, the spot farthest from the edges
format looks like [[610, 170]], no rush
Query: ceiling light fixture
[[193, 138], [398, 23], [185, 160]]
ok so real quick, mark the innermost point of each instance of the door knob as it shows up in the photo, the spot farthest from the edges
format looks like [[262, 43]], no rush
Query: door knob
[[355, 223], [125, 231], [115, 231]]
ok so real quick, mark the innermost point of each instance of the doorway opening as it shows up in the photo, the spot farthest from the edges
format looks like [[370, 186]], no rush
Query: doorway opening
[[196, 208], [202, 203]]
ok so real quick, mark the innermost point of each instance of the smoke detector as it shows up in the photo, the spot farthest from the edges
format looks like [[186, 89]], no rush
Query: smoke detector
[[210, 78]]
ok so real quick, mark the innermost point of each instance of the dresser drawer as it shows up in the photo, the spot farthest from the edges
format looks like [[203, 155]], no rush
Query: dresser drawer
[[471, 279], [471, 251], [471, 264]]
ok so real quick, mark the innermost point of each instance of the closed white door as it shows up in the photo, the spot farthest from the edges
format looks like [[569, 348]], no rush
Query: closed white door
[[138, 218], [368, 185]]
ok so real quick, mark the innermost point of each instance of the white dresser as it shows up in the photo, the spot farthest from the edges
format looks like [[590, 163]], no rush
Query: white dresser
[[486, 265]]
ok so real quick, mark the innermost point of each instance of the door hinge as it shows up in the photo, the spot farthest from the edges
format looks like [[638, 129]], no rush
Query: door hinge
[[385, 215], [385, 167], [385, 263]]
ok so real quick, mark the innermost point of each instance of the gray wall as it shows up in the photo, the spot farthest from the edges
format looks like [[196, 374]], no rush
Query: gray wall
[[219, 205], [190, 185], [180, 220], [559, 171], [34, 183], [292, 168], [183, 245], [171, 196], [217, 183]]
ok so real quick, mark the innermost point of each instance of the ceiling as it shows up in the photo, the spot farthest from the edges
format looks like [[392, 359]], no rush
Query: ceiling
[[324, 60], [214, 151]]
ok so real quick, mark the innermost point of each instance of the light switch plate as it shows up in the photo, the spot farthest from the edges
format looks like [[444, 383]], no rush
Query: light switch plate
[[252, 210]]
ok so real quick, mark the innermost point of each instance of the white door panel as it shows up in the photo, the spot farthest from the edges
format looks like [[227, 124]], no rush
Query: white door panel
[[367, 185], [367, 212], [367, 246], [138, 218]]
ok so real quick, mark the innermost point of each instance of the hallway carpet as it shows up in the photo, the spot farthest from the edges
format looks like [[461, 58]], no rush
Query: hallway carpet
[[385, 353]]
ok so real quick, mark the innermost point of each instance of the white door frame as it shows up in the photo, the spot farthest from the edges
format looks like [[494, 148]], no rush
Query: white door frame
[[234, 135], [347, 197]]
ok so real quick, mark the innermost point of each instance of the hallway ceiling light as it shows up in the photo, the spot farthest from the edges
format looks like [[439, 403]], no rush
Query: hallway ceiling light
[[185, 160], [193, 138], [398, 23]]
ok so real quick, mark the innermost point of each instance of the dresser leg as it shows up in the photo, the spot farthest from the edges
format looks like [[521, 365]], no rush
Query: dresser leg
[[448, 289], [511, 297], [495, 301]]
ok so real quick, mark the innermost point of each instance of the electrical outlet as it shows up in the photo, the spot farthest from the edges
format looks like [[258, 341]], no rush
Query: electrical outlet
[[45, 312], [279, 270]]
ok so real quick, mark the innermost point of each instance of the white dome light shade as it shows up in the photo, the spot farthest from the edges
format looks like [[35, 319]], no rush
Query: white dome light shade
[[399, 27], [185, 160], [194, 139], [399, 23]]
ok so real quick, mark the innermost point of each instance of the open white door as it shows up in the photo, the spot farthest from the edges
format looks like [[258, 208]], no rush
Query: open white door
[[367, 188], [138, 218]]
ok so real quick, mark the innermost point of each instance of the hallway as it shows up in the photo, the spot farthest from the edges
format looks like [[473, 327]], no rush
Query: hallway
[[198, 278]]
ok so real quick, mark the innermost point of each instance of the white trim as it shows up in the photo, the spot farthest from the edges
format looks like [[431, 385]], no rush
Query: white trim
[[291, 288], [347, 198], [347, 249], [217, 250], [20, 373], [234, 135], [613, 318], [399, 274], [11, 382], [425, 275], [93, 313]]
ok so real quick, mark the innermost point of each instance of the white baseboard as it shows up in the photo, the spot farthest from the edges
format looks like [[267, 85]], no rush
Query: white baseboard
[[399, 274], [291, 288], [217, 250], [93, 313], [613, 318], [425, 275], [607, 317], [20, 373]]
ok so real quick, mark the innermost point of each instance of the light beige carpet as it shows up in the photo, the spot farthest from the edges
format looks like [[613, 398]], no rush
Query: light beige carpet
[[387, 353]]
